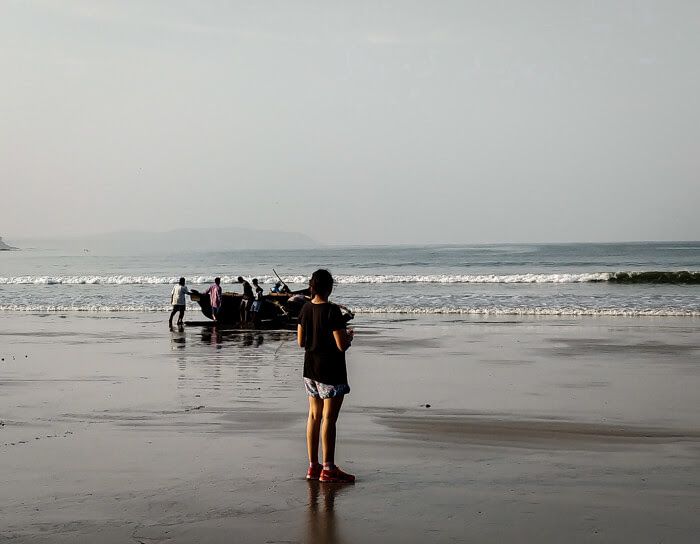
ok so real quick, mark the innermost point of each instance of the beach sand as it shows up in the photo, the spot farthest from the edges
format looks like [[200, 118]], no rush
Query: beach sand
[[115, 429]]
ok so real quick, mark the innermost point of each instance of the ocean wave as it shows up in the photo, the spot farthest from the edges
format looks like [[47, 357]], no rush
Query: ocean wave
[[94, 308], [302, 280], [88, 308], [677, 277], [651, 277], [478, 278], [534, 311], [484, 310], [86, 280], [122, 280]]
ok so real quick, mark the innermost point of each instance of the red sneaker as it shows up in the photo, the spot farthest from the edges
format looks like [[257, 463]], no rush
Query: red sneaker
[[336, 476], [314, 472]]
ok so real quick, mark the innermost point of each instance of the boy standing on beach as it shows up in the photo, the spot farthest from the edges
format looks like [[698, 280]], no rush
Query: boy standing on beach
[[323, 334], [177, 299]]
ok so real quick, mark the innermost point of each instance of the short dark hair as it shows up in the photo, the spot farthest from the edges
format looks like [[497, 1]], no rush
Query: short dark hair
[[255, 281], [182, 281], [240, 279], [321, 283], [217, 280]]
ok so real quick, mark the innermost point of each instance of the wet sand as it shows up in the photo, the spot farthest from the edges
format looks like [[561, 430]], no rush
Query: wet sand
[[114, 429]]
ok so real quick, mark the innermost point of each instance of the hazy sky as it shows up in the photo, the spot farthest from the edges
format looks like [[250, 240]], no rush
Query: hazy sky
[[353, 122]]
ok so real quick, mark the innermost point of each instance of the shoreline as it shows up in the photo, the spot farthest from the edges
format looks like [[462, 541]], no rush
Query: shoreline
[[98, 312]]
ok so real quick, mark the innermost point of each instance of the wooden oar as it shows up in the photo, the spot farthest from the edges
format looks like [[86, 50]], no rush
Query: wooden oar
[[281, 280]]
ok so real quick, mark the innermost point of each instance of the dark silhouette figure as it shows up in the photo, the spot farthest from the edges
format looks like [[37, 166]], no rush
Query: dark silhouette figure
[[247, 300]]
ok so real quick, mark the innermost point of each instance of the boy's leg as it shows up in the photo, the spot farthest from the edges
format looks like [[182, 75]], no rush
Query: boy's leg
[[331, 409], [172, 314], [313, 428], [182, 315]]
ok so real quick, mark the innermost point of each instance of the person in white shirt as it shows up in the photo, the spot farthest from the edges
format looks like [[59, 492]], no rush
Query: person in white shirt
[[177, 298]]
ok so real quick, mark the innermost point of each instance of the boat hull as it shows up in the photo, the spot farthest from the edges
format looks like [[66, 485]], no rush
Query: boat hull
[[278, 310]]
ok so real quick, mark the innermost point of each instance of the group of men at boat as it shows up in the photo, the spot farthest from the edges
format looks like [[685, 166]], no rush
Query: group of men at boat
[[251, 302]]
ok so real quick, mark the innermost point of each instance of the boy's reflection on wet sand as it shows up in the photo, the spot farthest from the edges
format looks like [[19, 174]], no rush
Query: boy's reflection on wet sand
[[321, 526]]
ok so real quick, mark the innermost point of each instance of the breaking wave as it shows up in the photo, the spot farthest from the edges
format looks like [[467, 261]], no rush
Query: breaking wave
[[680, 277], [133, 280], [96, 308], [485, 310], [478, 278], [535, 311], [651, 277]]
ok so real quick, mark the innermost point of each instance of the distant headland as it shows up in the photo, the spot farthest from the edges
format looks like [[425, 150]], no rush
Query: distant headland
[[186, 239], [4, 246]]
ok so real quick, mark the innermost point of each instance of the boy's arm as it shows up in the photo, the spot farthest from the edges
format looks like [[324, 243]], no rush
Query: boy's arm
[[343, 339], [300, 336], [341, 334]]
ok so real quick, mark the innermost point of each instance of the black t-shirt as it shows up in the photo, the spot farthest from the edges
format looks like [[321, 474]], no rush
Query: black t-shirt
[[323, 361], [247, 291]]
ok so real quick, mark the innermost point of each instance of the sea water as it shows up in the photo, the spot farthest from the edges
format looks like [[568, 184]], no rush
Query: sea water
[[532, 279]]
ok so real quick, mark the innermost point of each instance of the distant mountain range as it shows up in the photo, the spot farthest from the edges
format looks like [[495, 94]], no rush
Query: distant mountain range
[[205, 239], [4, 246]]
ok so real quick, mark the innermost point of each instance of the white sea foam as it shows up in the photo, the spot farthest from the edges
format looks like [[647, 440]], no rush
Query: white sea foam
[[485, 310], [563, 311], [478, 278], [302, 280], [112, 280], [95, 308], [86, 280]]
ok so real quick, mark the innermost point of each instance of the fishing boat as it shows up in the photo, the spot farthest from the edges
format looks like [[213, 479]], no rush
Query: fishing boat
[[278, 310]]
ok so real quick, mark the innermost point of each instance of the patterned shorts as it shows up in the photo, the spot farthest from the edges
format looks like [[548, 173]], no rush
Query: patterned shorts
[[323, 391]]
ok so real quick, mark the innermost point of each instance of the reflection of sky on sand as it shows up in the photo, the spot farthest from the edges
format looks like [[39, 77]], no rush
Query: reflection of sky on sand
[[245, 364]]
